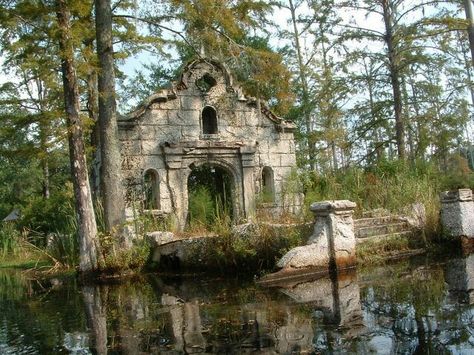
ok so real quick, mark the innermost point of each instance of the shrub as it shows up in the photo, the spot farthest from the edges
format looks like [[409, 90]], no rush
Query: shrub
[[53, 215], [9, 239], [254, 251], [392, 185], [120, 259]]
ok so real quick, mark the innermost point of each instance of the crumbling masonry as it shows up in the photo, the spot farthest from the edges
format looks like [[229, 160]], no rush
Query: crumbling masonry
[[204, 118]]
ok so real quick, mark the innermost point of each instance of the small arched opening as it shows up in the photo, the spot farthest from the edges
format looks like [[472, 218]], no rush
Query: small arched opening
[[151, 190], [206, 82], [209, 120], [210, 191], [268, 185]]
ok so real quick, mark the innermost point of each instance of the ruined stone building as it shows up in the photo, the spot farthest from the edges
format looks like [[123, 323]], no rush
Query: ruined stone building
[[204, 120]]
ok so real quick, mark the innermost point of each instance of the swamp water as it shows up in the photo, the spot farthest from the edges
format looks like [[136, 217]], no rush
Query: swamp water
[[412, 306]]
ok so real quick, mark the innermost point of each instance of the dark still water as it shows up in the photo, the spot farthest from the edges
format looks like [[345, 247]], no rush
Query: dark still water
[[413, 306]]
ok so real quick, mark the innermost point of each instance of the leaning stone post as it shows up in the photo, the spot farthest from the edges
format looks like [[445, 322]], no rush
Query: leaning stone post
[[334, 218], [457, 214], [332, 244]]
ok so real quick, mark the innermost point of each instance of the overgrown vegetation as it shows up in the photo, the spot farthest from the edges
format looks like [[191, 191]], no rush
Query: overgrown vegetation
[[392, 185], [254, 249], [405, 91]]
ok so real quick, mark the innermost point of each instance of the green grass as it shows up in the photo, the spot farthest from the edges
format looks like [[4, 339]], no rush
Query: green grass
[[392, 185]]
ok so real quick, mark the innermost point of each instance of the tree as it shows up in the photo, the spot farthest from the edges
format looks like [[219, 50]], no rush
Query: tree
[[470, 26], [315, 58], [232, 32], [111, 162], [89, 249]]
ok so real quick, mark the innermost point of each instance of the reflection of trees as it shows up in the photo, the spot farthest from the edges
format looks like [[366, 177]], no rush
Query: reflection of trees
[[405, 309], [404, 304], [95, 300], [36, 317]]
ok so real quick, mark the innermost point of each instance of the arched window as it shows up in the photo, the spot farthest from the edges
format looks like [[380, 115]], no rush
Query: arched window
[[151, 189], [268, 186], [209, 120]]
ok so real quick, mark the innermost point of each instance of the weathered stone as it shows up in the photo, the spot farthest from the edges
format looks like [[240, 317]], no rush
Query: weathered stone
[[159, 238], [169, 127], [306, 256], [457, 213], [415, 215], [332, 242]]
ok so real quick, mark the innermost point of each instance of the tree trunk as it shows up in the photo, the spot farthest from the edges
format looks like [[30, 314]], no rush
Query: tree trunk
[[87, 228], [304, 87], [470, 28], [110, 170], [93, 112], [93, 108], [394, 78]]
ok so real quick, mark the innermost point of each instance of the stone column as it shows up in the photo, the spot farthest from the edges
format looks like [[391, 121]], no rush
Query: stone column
[[177, 184], [248, 181], [332, 244], [334, 218], [457, 214]]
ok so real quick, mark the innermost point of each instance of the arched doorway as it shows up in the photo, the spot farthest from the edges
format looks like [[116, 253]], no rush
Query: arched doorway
[[210, 195]]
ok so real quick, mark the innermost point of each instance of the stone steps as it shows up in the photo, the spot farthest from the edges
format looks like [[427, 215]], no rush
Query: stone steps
[[380, 228], [374, 221], [380, 237]]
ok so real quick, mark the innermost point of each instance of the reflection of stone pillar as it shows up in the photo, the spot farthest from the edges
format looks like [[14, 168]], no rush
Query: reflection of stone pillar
[[186, 324], [348, 300], [459, 276], [193, 338], [295, 337], [248, 181], [338, 297], [457, 213], [177, 319]]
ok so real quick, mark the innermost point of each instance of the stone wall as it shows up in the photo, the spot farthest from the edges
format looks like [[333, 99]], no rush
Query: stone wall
[[165, 134]]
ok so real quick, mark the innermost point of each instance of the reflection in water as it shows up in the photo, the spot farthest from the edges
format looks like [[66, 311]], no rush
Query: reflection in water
[[409, 307], [95, 309], [460, 278], [186, 324]]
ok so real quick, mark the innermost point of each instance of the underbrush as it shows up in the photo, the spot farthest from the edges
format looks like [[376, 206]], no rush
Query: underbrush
[[255, 249], [374, 252], [47, 234], [391, 185]]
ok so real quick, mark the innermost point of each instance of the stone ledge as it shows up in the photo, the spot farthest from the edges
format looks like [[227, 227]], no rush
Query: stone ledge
[[460, 195], [325, 207]]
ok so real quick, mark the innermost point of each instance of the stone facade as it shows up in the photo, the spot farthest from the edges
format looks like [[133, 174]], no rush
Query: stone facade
[[204, 118]]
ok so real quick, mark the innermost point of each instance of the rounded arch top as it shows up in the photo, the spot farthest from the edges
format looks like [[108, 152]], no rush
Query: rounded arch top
[[206, 68], [227, 166]]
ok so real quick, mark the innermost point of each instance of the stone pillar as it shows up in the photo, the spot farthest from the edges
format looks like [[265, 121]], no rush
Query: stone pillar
[[457, 214], [332, 243], [176, 179], [248, 181], [335, 219]]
